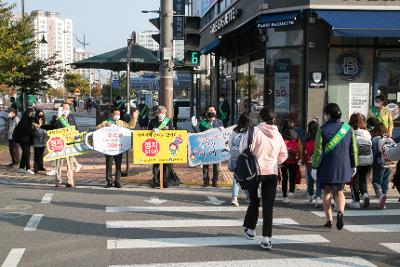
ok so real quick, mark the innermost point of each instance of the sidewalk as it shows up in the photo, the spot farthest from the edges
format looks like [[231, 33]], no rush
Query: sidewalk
[[93, 174]]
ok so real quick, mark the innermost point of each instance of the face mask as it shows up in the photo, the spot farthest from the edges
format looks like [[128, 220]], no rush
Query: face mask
[[161, 116], [142, 102], [210, 115], [377, 105], [116, 117], [66, 112], [221, 100]]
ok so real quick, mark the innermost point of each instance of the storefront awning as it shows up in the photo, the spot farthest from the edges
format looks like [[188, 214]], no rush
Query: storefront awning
[[206, 49], [277, 20], [362, 23]]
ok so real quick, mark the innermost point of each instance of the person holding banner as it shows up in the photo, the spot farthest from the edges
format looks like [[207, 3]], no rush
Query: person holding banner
[[158, 123], [143, 114], [210, 122], [382, 114], [224, 110], [334, 161], [115, 119]]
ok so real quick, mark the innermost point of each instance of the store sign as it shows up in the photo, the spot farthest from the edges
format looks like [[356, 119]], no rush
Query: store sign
[[350, 66], [282, 85], [359, 98], [179, 7], [317, 80], [275, 24], [394, 109], [223, 21], [178, 27]]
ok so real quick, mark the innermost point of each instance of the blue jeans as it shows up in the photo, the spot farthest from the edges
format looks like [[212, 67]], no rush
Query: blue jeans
[[380, 179], [310, 183], [235, 188]]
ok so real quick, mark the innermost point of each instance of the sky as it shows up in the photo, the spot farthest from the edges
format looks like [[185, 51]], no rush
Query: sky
[[107, 24]]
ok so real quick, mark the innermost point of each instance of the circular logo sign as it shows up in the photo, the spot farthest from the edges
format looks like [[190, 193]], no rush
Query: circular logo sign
[[56, 144], [394, 109], [151, 147], [350, 65]]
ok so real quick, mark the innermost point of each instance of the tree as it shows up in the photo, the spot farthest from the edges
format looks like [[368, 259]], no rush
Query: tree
[[17, 45], [97, 90], [55, 92], [72, 81]]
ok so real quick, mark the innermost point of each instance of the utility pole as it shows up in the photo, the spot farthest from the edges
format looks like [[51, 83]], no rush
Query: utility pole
[[166, 65], [131, 43]]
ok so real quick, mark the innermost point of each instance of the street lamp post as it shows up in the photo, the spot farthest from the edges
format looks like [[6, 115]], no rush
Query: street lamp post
[[131, 43]]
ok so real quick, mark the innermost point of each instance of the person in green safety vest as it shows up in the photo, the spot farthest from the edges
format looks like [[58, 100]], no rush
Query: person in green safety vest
[[382, 114], [120, 104], [210, 122], [224, 110], [144, 112]]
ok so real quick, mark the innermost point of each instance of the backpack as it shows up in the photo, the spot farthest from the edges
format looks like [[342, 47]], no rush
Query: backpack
[[235, 150], [364, 147], [388, 143], [309, 151], [246, 170], [292, 150]]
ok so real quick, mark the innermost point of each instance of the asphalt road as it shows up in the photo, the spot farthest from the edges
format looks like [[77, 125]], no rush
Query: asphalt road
[[42, 226]]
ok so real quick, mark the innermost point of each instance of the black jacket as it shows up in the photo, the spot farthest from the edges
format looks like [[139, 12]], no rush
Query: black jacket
[[155, 122]]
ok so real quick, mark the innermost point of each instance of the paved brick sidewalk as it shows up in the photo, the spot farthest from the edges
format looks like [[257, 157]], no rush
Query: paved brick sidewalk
[[93, 173]]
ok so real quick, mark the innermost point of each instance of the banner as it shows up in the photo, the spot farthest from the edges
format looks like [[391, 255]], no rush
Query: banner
[[359, 98], [163, 147], [65, 142], [209, 147], [112, 140]]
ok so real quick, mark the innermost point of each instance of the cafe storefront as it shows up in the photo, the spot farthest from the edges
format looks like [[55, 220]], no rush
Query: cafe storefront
[[296, 58]]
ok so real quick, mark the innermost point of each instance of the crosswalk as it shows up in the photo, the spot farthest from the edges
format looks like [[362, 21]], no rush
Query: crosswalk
[[165, 241]]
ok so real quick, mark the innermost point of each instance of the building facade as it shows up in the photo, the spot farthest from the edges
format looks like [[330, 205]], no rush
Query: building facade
[[88, 74], [146, 40], [296, 56], [58, 33]]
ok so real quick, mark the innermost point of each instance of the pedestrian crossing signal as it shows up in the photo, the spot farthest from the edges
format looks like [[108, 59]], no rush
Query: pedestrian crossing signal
[[192, 58]]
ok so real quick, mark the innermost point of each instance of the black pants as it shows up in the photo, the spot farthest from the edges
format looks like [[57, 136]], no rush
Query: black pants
[[156, 175], [109, 163], [14, 152], [360, 182], [268, 192], [25, 157], [396, 177], [206, 177], [289, 171], [38, 159]]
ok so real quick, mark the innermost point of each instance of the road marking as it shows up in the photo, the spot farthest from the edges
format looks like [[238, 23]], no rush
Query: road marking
[[156, 201], [33, 222], [46, 199], [393, 246], [373, 228], [214, 201], [189, 223], [13, 257], [183, 209], [361, 213], [209, 241]]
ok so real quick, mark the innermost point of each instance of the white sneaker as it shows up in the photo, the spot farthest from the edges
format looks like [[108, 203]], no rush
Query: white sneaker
[[318, 202], [310, 199], [354, 205], [250, 234], [78, 167], [234, 202], [22, 170], [291, 197], [266, 243], [51, 173], [285, 200], [365, 200], [30, 172]]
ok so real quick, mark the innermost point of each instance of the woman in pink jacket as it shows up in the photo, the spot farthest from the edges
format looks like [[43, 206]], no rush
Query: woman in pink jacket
[[269, 148]]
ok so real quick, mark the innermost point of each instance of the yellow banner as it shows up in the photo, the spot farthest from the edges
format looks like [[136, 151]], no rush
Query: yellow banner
[[163, 147]]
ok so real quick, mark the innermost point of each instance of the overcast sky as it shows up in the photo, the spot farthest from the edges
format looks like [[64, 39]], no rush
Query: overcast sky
[[106, 23]]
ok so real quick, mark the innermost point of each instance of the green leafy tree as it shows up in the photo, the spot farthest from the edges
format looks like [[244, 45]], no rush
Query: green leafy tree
[[73, 81], [17, 45]]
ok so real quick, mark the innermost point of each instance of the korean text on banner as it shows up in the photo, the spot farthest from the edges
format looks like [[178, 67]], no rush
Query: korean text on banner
[[163, 147], [209, 147], [65, 142], [112, 140]]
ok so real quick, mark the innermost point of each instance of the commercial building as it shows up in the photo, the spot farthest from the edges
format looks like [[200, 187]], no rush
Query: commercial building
[[146, 40], [88, 74], [296, 56]]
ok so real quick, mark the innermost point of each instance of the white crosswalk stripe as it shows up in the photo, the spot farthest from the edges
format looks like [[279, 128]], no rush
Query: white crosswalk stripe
[[13, 257], [33, 222], [393, 246], [188, 223], [373, 228], [174, 209], [209, 241], [298, 262], [362, 213]]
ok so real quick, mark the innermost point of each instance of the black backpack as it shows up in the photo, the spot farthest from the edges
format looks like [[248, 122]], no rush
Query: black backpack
[[246, 171]]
